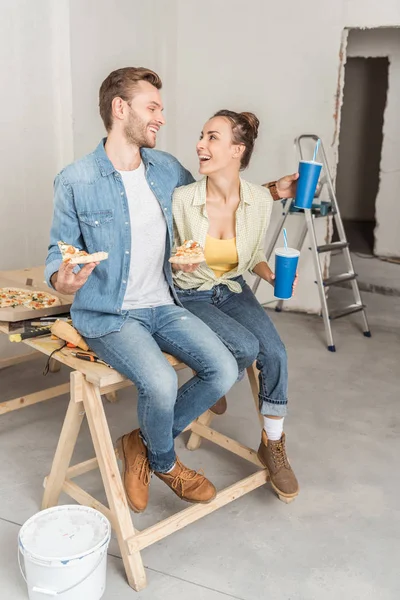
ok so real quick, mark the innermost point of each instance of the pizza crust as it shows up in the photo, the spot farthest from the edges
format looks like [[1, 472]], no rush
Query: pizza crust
[[189, 260], [89, 258]]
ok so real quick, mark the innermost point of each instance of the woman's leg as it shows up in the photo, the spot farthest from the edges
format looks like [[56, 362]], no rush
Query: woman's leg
[[240, 341], [272, 364]]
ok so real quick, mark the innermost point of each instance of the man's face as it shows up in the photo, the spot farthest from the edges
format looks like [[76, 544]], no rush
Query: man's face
[[144, 117]]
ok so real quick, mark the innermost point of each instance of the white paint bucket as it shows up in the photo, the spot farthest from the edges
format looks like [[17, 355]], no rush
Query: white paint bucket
[[65, 553]]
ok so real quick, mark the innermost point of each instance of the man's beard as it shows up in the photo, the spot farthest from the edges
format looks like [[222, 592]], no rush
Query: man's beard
[[136, 132]]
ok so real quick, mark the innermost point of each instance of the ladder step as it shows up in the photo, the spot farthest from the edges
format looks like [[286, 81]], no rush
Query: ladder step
[[337, 279], [342, 312], [333, 246]]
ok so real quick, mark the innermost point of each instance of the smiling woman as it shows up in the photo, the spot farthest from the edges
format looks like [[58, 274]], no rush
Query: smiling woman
[[229, 216]]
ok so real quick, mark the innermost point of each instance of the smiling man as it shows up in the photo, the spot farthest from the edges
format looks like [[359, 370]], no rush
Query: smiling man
[[118, 200]]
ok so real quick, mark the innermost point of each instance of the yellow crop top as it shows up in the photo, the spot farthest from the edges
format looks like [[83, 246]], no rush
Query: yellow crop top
[[221, 255]]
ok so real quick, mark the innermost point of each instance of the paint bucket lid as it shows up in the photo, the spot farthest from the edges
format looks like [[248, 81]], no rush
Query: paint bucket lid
[[64, 533]]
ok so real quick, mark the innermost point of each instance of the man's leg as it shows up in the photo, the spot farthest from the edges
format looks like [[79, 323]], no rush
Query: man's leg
[[134, 353], [183, 335]]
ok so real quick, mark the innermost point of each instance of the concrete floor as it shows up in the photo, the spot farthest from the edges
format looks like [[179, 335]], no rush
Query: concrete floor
[[339, 539]]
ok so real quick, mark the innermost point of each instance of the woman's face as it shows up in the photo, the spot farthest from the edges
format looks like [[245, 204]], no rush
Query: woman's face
[[215, 149]]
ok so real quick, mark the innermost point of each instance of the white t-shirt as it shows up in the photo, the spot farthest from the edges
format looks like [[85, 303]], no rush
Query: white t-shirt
[[147, 286]]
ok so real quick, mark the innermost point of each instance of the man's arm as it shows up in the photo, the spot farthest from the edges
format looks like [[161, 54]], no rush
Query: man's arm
[[65, 227], [285, 187]]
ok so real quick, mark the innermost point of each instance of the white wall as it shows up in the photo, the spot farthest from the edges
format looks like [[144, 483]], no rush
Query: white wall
[[278, 59], [28, 149], [385, 42], [104, 36]]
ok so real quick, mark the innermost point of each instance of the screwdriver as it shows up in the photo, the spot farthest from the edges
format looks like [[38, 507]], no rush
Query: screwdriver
[[90, 358]]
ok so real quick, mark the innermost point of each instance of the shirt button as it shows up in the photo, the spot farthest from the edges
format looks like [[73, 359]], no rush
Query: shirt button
[[118, 310], [122, 193], [165, 208], [126, 251], [152, 183], [96, 222], [126, 222], [124, 281]]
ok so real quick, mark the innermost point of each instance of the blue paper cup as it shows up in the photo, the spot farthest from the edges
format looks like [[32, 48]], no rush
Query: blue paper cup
[[309, 172], [286, 260]]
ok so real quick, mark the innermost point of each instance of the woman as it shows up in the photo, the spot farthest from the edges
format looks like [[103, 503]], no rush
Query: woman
[[228, 216]]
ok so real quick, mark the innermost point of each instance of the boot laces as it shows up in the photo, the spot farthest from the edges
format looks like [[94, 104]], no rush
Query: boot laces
[[279, 454], [141, 466], [185, 477]]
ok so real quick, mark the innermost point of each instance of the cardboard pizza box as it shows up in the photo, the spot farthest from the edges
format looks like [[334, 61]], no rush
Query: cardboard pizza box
[[31, 279]]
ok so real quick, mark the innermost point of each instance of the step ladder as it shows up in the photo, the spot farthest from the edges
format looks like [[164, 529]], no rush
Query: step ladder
[[321, 209]]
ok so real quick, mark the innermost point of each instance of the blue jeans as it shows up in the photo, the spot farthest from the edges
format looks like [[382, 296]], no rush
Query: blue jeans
[[163, 410], [242, 324]]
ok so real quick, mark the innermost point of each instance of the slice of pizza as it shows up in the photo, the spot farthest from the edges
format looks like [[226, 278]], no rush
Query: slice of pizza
[[189, 253], [79, 257]]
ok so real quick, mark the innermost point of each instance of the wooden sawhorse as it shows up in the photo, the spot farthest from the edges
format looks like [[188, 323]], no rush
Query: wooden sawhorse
[[87, 385]]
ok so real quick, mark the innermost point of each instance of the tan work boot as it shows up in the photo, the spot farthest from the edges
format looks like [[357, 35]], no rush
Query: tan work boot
[[135, 469], [273, 456], [188, 485]]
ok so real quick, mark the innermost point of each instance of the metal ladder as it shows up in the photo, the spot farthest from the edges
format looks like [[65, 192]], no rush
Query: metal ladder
[[318, 210]]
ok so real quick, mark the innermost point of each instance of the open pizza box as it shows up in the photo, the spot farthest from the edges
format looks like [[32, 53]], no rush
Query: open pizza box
[[32, 280]]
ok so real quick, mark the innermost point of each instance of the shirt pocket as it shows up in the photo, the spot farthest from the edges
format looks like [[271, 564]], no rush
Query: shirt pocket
[[97, 228]]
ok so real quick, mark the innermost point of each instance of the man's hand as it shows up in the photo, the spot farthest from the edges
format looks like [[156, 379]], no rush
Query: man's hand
[[185, 268], [65, 281], [286, 186]]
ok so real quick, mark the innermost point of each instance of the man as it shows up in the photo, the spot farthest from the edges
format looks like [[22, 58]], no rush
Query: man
[[118, 199]]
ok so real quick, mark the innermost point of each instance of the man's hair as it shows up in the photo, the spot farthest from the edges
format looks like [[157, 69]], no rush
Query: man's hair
[[121, 84]]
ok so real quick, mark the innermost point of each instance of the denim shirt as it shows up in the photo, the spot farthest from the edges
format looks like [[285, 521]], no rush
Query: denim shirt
[[91, 212]]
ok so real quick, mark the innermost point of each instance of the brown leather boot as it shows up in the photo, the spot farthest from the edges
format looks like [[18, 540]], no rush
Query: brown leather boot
[[273, 456], [135, 469], [219, 407], [188, 485]]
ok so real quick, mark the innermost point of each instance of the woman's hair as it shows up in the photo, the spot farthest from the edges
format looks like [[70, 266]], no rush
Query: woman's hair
[[244, 131]]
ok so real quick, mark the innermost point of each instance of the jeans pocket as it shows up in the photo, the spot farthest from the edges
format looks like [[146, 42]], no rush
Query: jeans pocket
[[97, 228]]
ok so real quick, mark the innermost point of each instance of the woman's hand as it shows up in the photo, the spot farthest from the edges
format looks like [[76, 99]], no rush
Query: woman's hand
[[271, 280], [185, 268]]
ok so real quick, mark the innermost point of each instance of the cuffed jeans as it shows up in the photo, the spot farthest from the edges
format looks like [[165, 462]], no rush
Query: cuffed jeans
[[242, 324], [163, 410]]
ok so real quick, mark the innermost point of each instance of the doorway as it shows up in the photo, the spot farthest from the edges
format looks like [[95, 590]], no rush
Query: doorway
[[360, 146]]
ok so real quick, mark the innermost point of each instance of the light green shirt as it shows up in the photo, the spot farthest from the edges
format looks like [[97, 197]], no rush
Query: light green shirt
[[191, 223]]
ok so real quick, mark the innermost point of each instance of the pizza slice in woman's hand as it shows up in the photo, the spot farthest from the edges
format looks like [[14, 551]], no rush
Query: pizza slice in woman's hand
[[74, 256], [189, 253]]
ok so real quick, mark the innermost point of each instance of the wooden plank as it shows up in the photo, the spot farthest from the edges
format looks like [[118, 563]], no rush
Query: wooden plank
[[160, 530], [16, 360], [82, 497], [65, 448], [194, 440], [113, 484], [252, 373], [29, 399], [228, 443], [101, 376], [111, 397]]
